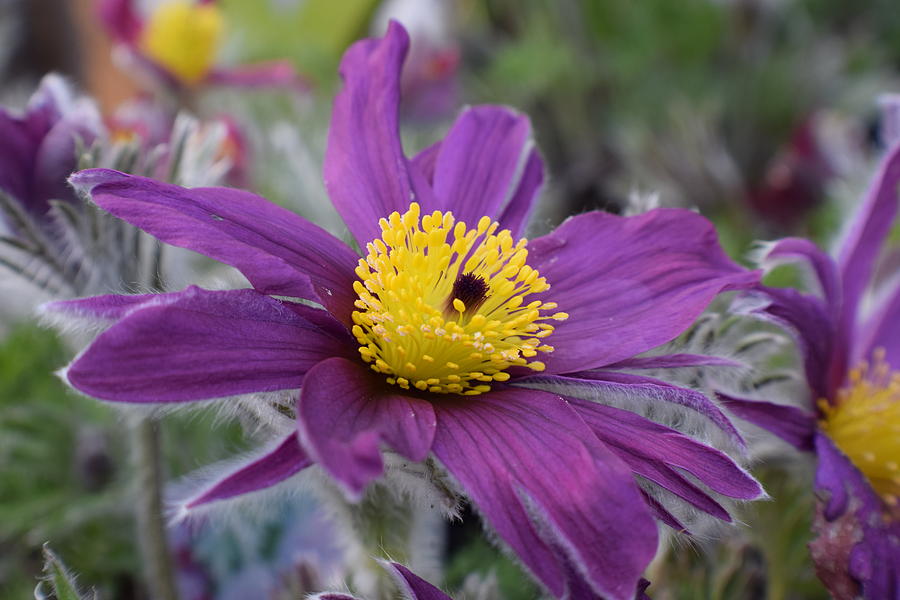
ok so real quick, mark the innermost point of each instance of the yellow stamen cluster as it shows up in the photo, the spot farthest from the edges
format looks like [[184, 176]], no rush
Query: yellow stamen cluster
[[864, 422], [412, 322], [184, 37]]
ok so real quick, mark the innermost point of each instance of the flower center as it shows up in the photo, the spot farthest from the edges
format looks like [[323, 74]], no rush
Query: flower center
[[183, 37], [442, 307], [864, 423]]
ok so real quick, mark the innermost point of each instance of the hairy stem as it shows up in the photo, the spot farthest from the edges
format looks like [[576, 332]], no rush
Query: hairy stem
[[154, 547]]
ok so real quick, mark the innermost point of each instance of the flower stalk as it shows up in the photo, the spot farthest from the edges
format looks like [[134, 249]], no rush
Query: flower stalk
[[154, 547]]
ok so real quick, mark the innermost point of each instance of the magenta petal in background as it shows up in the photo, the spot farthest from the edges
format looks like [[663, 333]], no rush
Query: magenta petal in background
[[259, 473], [121, 20], [204, 345], [629, 283], [548, 488], [280, 252], [345, 412], [269, 74], [365, 170]]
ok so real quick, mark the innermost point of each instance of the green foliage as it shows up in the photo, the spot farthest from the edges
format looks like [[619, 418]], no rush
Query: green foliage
[[60, 581], [478, 556], [66, 469], [313, 33], [764, 557], [59, 479]]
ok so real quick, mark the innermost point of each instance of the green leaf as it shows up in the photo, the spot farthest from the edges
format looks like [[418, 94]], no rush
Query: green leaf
[[58, 578]]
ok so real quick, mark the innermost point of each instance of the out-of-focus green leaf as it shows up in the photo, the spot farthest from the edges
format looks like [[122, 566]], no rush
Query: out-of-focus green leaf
[[480, 557], [60, 581], [313, 33]]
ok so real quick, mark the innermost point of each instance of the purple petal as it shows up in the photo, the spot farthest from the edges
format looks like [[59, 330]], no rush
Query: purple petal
[[881, 330], [658, 453], [38, 149], [794, 425], [207, 345], [120, 19], [103, 311], [518, 211], [823, 267], [866, 235], [643, 584], [365, 170], [16, 157], [841, 480], [56, 157], [424, 162], [479, 164], [280, 252], [673, 361], [549, 489], [807, 318], [889, 105], [629, 283], [345, 411], [854, 515], [659, 511], [259, 473], [639, 387], [414, 586], [270, 74]]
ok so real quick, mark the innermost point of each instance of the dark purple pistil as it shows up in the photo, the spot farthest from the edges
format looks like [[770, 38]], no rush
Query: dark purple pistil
[[471, 289]]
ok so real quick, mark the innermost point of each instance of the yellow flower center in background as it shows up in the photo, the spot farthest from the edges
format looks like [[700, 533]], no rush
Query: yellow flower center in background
[[443, 307], [184, 38], [864, 422]]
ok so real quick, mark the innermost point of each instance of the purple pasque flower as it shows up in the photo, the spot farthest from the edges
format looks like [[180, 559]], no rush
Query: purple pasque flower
[[430, 343], [175, 44], [851, 359], [38, 147]]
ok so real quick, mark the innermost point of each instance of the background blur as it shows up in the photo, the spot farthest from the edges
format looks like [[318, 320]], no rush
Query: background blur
[[760, 113]]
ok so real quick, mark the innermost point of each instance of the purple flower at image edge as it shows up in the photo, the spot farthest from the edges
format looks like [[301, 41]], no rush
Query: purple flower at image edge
[[175, 45], [851, 358], [39, 146], [429, 343]]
